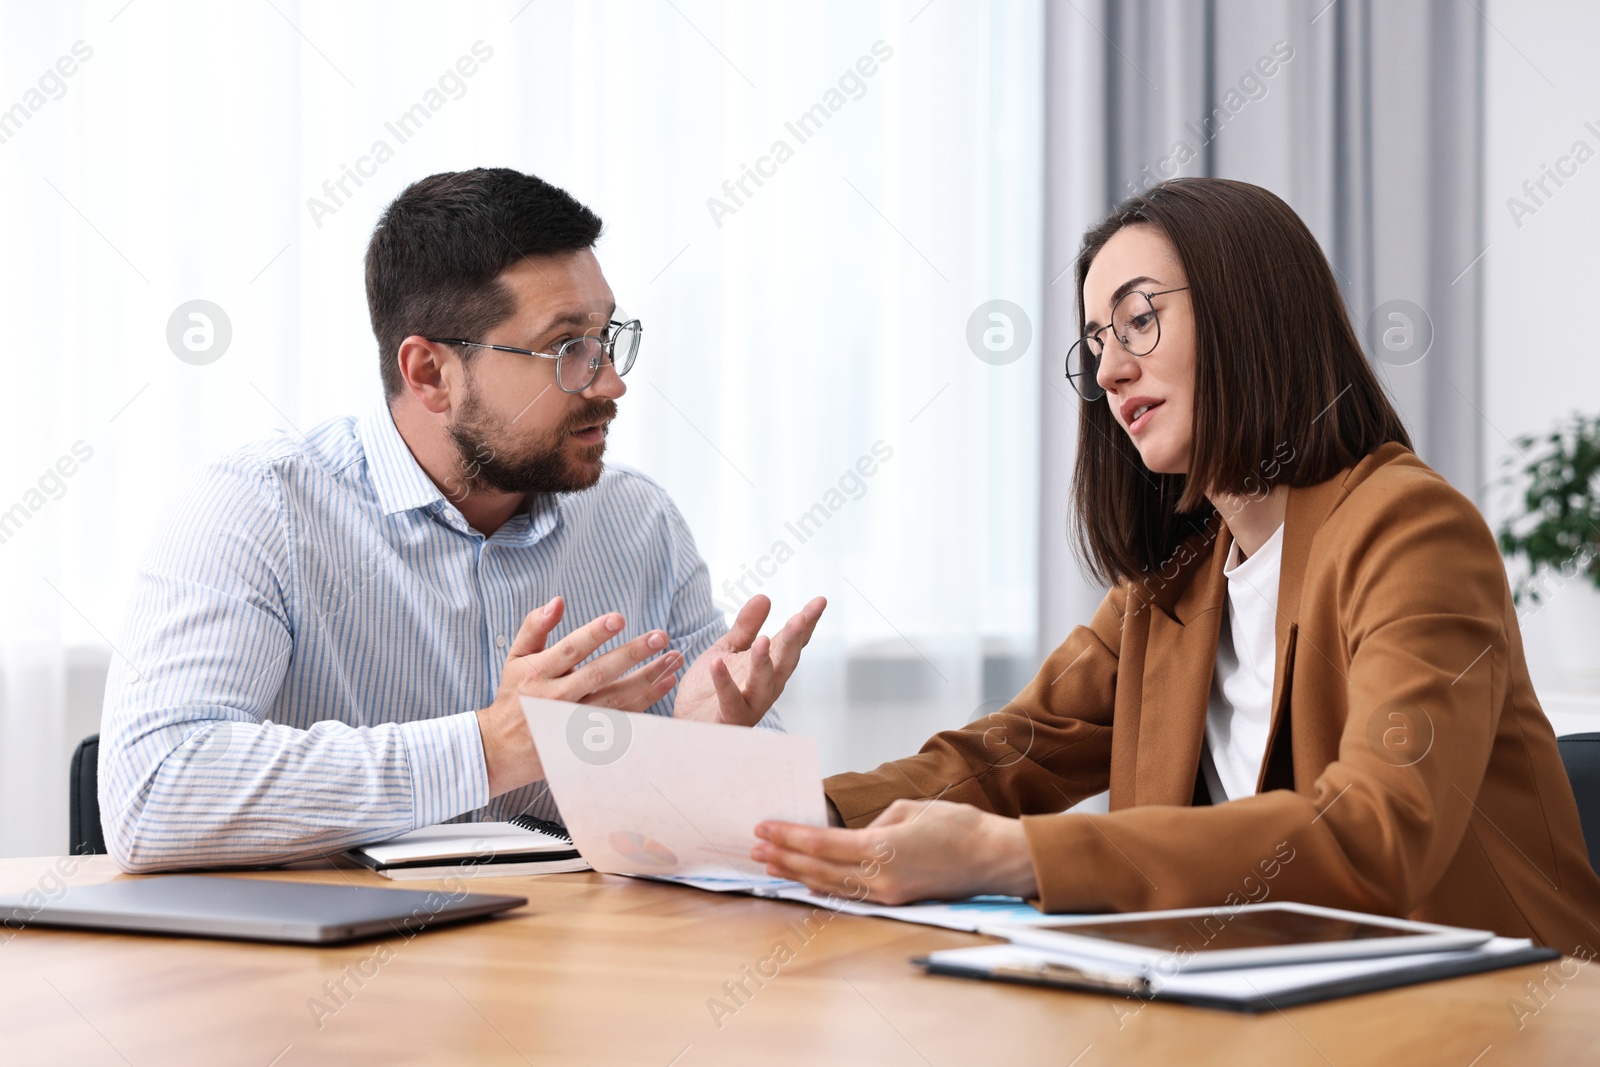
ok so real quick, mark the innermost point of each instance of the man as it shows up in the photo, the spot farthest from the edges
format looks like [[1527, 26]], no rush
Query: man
[[330, 635]]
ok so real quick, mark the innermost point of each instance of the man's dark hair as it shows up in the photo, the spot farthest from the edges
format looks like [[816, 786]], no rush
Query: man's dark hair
[[1278, 369], [434, 262]]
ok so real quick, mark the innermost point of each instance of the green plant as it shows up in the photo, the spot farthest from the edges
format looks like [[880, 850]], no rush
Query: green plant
[[1558, 528]]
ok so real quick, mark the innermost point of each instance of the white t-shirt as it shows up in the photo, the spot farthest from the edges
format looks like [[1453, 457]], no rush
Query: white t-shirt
[[1239, 715]]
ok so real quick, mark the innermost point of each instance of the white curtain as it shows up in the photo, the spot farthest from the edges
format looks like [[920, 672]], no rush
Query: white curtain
[[810, 388]]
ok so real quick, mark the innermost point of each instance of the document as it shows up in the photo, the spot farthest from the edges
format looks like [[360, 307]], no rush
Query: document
[[969, 914], [652, 795]]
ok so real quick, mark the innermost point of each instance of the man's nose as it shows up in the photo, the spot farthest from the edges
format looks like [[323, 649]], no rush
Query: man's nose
[[607, 384]]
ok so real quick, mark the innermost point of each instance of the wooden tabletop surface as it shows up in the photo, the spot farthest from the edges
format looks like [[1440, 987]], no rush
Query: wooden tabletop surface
[[602, 970]]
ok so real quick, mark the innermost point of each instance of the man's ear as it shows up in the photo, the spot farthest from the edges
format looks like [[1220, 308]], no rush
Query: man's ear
[[428, 369]]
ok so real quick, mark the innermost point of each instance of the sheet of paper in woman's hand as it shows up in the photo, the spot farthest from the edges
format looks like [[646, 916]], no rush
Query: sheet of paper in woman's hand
[[647, 794]]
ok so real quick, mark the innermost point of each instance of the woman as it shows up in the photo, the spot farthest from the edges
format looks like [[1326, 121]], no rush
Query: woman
[[1307, 681]]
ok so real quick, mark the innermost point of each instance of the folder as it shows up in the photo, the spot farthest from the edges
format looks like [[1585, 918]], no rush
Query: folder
[[1249, 989]]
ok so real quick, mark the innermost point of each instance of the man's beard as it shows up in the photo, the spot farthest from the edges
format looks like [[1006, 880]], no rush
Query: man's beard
[[490, 460]]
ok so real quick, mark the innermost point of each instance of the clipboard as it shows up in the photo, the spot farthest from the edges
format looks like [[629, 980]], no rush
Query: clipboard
[[1248, 990]]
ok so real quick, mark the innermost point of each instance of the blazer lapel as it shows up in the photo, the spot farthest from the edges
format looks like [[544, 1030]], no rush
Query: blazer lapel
[[1303, 515], [1305, 512], [1180, 656], [1181, 651]]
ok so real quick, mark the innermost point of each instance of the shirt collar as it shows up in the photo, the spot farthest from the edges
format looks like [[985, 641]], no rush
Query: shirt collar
[[398, 479], [1271, 551], [402, 485]]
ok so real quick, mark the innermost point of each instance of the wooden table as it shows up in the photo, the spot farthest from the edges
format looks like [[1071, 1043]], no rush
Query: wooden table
[[599, 970]]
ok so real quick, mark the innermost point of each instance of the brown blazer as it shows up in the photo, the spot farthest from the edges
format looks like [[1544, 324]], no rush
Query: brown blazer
[[1409, 771]]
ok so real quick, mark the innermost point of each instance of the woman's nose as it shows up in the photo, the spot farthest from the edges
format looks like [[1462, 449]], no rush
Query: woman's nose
[[1116, 365]]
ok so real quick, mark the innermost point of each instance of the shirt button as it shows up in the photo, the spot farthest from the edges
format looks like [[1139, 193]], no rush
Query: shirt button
[[499, 640]]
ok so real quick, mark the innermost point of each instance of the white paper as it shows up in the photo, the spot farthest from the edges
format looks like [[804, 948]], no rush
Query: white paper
[[647, 794], [950, 914], [739, 883], [966, 914]]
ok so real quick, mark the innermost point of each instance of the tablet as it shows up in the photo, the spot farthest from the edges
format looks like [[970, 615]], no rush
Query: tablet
[[1248, 935], [252, 909]]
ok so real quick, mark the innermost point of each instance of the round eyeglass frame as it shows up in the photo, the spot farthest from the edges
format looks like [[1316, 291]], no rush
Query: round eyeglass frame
[[1084, 344]]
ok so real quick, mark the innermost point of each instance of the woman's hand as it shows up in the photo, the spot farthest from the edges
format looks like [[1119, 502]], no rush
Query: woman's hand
[[915, 850]]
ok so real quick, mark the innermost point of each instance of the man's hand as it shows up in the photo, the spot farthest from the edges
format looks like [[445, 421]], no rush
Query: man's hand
[[739, 677], [915, 850], [533, 670]]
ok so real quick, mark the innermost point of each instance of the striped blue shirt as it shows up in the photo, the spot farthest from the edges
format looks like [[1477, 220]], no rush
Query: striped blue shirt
[[315, 626]]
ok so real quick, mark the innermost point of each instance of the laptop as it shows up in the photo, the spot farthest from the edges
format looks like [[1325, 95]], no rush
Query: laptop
[[251, 909]]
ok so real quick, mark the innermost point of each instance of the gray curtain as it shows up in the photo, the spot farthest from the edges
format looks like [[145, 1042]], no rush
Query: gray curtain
[[1364, 115]]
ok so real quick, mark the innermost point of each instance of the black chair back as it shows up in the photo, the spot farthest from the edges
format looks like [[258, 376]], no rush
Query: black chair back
[[83, 804], [1581, 755]]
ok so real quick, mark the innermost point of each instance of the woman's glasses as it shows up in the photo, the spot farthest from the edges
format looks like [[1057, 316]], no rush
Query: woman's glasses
[[1135, 325]]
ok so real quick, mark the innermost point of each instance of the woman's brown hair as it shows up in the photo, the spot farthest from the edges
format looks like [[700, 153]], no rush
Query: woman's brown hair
[[1278, 373]]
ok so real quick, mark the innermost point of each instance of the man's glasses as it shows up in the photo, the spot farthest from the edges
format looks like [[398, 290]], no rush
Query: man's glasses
[[579, 359], [1135, 325]]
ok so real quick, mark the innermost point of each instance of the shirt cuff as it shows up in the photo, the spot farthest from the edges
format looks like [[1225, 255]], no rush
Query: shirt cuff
[[448, 772]]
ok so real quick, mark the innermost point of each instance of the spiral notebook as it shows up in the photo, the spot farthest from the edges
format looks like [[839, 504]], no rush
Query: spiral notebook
[[525, 845]]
